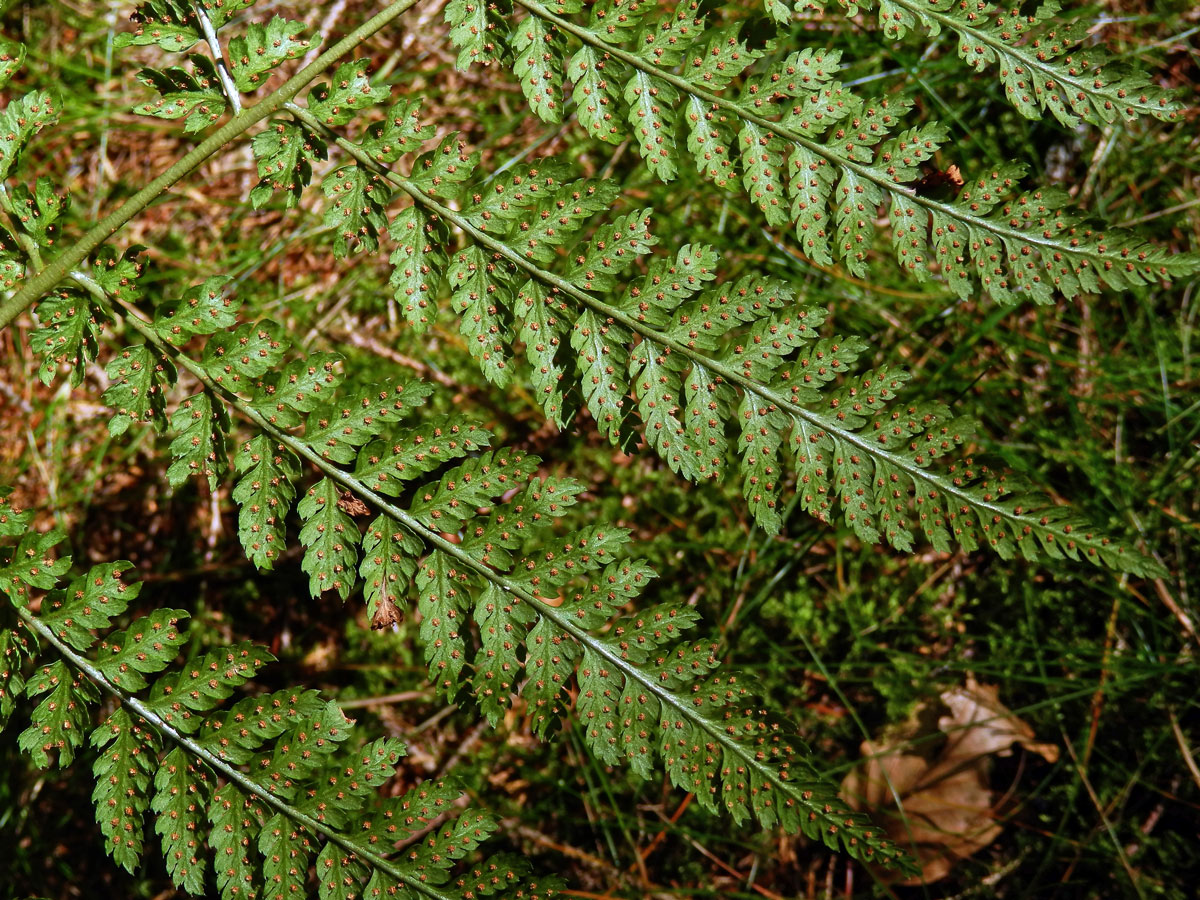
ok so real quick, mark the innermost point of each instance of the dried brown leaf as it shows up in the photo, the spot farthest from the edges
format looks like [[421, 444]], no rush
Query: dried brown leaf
[[941, 805]]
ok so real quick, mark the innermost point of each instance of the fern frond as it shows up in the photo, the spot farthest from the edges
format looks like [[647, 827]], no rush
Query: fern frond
[[815, 155], [1039, 55], [259, 793], [695, 359]]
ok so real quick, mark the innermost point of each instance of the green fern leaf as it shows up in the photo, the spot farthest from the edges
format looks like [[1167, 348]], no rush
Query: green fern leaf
[[301, 751], [14, 521], [171, 24], [262, 48], [90, 601], [442, 600], [202, 309], [182, 789], [13, 649], [355, 211], [476, 30], [330, 540], [285, 153], [236, 819], [12, 264], [22, 119], [503, 622], [117, 275], [595, 102], [538, 50], [203, 682], [223, 12], [434, 856], [481, 298], [419, 262], [303, 381], [60, 721], [69, 334], [246, 354], [545, 319], [41, 212], [441, 172], [12, 57], [388, 567], [549, 664], [264, 495], [139, 379], [464, 488], [603, 361], [398, 818], [652, 118], [31, 564], [348, 91], [193, 96], [235, 735], [340, 875], [399, 133], [286, 850], [337, 429], [385, 466], [199, 448], [124, 769], [149, 645]]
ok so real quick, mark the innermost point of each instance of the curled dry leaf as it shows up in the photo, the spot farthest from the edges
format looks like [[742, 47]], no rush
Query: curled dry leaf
[[385, 615], [941, 804], [352, 506]]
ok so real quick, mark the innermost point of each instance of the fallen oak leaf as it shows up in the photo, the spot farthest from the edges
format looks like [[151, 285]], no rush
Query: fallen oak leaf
[[940, 804]]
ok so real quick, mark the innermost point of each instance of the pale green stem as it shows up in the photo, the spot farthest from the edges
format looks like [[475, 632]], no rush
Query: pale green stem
[[214, 46]]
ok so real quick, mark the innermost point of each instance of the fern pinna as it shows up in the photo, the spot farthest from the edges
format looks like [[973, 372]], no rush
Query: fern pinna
[[246, 791], [814, 155]]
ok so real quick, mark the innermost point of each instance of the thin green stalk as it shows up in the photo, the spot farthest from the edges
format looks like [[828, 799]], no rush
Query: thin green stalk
[[83, 664], [38, 285]]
